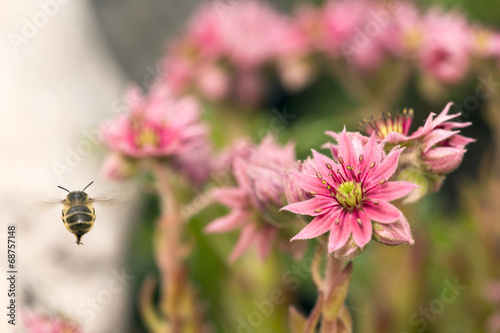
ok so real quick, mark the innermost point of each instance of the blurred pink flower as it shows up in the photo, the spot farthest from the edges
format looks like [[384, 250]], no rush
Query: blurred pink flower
[[309, 29], [355, 30], [404, 34], [158, 124], [196, 164], [35, 323], [253, 33], [342, 21], [260, 175], [483, 42], [200, 46], [212, 82], [446, 47], [352, 193]]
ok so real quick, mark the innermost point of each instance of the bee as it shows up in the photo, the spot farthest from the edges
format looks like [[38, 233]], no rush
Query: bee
[[78, 213]]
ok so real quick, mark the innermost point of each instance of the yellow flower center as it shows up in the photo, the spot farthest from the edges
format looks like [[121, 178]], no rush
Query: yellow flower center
[[147, 137], [349, 194]]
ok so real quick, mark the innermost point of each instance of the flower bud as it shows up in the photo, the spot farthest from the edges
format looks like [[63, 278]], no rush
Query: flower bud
[[443, 160], [393, 233]]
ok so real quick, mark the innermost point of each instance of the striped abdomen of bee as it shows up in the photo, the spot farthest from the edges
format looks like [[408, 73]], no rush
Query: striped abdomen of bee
[[78, 214]]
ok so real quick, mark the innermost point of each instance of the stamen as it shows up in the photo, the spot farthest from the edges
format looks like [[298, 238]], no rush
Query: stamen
[[319, 175], [382, 181], [359, 221], [337, 221], [312, 193], [341, 160], [352, 173], [360, 158], [340, 174], [372, 165], [329, 166], [335, 178], [375, 202], [318, 210]]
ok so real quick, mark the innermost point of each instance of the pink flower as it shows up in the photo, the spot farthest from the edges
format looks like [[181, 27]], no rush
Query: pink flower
[[352, 193], [405, 32], [342, 21], [484, 42], [253, 33], [260, 175], [158, 124], [440, 146], [446, 48], [199, 47], [432, 151], [40, 324], [212, 82]]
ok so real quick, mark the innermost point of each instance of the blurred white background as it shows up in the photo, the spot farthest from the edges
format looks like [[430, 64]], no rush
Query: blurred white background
[[58, 81]]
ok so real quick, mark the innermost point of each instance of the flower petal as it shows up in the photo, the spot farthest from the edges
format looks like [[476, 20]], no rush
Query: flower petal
[[313, 207], [265, 241], [321, 161], [228, 222], [372, 152], [318, 226], [247, 236], [444, 116], [385, 169], [435, 137], [362, 230], [443, 160], [339, 234], [382, 212], [346, 149], [233, 197], [391, 190], [310, 183]]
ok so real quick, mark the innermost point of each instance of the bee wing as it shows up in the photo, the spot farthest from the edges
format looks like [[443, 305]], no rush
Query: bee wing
[[50, 203], [103, 201], [114, 197], [44, 201]]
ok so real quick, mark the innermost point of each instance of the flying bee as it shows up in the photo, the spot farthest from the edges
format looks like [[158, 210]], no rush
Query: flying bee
[[78, 213]]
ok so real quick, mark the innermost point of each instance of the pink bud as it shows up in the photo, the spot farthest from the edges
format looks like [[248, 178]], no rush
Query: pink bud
[[393, 233], [443, 160]]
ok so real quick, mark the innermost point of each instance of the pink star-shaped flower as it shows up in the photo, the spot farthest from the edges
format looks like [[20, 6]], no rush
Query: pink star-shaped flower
[[352, 193]]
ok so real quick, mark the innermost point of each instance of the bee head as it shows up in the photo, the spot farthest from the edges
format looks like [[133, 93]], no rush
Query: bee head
[[77, 197]]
